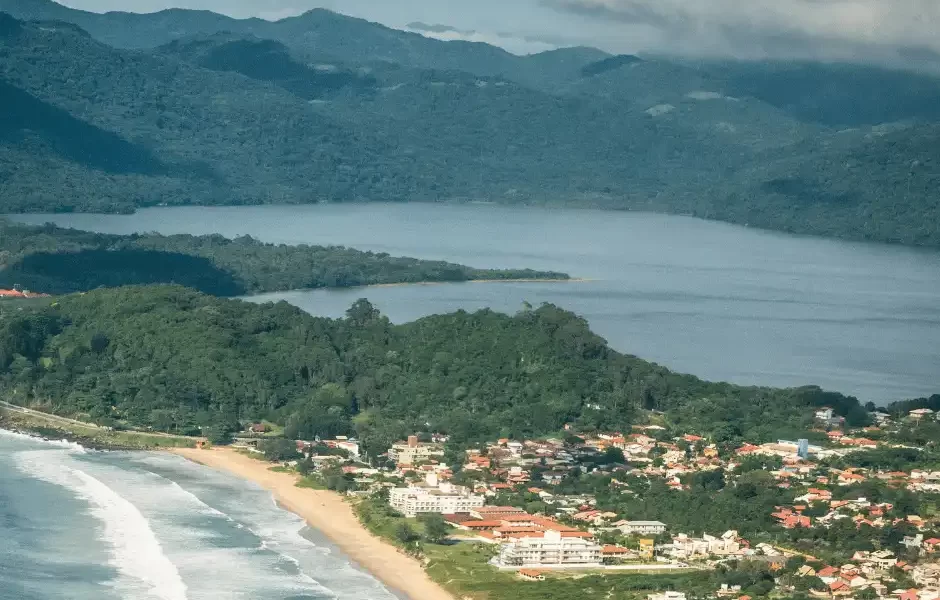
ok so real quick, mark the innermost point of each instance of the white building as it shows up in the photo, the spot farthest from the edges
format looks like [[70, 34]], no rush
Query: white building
[[412, 452], [666, 596], [685, 547], [551, 549], [640, 527], [443, 498], [921, 413]]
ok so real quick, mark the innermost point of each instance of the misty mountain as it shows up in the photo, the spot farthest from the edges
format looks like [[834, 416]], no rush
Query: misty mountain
[[268, 60], [236, 117], [315, 33]]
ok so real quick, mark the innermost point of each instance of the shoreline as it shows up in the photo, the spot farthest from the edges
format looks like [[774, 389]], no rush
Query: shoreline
[[415, 283], [516, 280], [331, 515]]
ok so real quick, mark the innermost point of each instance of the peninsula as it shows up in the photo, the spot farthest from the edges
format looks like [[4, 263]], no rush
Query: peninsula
[[56, 260]]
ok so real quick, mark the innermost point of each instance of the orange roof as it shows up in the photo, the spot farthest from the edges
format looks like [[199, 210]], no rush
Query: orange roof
[[530, 573], [11, 294], [483, 524], [614, 550]]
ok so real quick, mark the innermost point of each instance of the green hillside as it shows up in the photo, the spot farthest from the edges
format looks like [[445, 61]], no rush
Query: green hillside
[[175, 360]]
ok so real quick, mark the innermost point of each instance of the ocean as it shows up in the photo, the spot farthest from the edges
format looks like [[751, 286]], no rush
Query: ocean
[[86, 525]]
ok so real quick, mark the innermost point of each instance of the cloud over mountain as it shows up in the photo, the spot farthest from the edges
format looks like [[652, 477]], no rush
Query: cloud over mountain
[[801, 28]]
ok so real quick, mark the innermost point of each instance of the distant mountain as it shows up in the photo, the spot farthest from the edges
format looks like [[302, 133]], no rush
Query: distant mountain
[[268, 60], [164, 131], [329, 108], [315, 33]]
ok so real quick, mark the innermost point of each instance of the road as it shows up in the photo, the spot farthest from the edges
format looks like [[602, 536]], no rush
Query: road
[[64, 421]]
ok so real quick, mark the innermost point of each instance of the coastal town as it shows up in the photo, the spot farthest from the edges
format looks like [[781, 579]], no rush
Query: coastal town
[[845, 513]]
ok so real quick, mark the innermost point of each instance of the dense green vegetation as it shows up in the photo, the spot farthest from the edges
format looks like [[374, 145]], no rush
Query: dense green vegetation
[[55, 260], [323, 107], [179, 361]]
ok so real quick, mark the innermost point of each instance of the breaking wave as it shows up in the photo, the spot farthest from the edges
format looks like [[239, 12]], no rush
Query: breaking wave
[[134, 548], [35, 438]]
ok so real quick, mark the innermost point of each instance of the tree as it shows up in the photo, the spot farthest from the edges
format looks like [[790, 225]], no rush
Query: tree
[[405, 534], [362, 312], [219, 435], [279, 450], [436, 528], [99, 343], [613, 456]]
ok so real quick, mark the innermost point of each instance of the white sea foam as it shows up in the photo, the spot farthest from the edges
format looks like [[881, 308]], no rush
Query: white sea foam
[[135, 550], [33, 438], [279, 560]]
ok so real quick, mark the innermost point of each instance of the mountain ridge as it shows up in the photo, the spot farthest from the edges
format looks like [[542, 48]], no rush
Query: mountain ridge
[[234, 118]]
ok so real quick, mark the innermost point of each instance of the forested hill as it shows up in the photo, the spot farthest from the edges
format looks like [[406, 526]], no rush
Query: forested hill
[[211, 110], [55, 260], [176, 360]]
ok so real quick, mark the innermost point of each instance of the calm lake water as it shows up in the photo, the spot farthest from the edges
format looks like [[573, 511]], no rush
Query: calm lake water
[[716, 300]]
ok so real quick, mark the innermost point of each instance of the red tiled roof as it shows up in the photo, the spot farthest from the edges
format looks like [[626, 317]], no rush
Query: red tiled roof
[[530, 573], [483, 524]]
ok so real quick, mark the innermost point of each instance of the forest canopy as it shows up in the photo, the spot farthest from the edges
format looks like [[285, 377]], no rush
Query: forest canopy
[[172, 359], [55, 260]]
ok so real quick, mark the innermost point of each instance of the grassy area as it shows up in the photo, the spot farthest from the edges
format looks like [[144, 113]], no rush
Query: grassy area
[[462, 568], [89, 435], [312, 482]]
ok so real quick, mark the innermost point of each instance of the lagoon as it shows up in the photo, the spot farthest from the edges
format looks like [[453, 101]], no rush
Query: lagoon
[[720, 301]]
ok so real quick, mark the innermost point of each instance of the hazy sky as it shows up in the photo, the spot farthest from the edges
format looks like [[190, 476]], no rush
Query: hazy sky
[[894, 30]]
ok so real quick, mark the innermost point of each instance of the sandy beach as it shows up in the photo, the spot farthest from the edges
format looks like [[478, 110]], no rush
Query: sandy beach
[[327, 512]]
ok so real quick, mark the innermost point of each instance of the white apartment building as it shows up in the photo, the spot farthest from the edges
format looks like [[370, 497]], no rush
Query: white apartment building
[[551, 550], [640, 527], [444, 498], [412, 452], [667, 596], [685, 547]]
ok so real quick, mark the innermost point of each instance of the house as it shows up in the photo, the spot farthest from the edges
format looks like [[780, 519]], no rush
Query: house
[[640, 527], [667, 596], [920, 413], [684, 547], [932, 545], [12, 294], [726, 590], [846, 478], [531, 575], [840, 588], [616, 553]]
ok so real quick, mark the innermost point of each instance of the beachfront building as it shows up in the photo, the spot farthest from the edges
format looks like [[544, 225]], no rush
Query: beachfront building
[[551, 549], [640, 527], [684, 547], [433, 497], [667, 596], [411, 452]]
